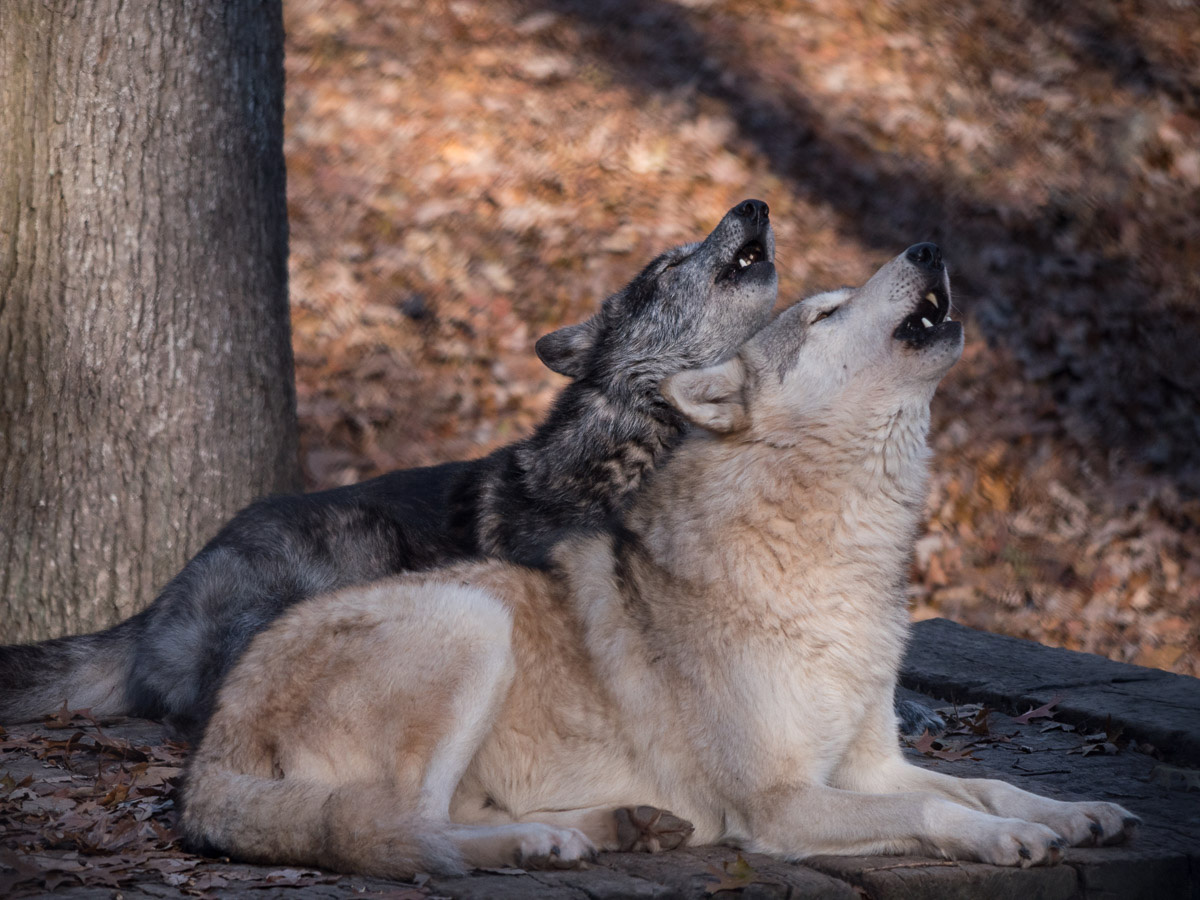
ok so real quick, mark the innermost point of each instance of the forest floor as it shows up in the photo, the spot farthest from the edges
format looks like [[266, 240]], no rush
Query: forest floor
[[465, 176]]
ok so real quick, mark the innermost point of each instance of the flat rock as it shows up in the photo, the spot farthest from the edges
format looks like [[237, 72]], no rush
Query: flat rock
[[1015, 675]]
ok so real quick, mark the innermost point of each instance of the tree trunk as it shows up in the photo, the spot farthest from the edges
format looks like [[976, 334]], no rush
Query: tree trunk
[[146, 385]]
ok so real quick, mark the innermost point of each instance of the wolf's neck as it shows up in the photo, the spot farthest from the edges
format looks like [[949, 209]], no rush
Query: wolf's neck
[[576, 472], [847, 496]]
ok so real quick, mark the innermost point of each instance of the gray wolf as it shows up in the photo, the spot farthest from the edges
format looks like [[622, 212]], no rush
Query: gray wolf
[[729, 654], [691, 306]]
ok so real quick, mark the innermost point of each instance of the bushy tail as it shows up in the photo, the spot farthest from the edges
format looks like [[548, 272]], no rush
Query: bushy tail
[[360, 828], [84, 671]]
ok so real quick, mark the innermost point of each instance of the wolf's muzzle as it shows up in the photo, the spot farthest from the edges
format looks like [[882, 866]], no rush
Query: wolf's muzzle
[[925, 256], [754, 210]]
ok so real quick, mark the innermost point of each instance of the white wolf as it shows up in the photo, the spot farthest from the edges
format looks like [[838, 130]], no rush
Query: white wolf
[[731, 655]]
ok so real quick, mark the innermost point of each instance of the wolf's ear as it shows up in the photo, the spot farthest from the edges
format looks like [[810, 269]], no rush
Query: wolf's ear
[[566, 351], [713, 398]]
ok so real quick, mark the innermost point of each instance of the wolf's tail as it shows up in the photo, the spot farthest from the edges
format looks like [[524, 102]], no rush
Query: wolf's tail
[[356, 828], [84, 671]]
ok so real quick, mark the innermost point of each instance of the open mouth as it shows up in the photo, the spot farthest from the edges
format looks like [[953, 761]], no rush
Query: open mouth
[[922, 324], [747, 256]]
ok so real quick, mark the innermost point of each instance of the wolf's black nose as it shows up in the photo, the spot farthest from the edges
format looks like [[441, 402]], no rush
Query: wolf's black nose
[[927, 256], [754, 209]]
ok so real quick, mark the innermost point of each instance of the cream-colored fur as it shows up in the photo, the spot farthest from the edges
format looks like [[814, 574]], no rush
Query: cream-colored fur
[[731, 656]]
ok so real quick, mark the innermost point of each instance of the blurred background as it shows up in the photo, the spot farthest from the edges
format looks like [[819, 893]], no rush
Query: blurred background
[[465, 176]]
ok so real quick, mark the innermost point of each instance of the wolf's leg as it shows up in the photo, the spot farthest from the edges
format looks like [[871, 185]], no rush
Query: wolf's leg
[[528, 844], [472, 709], [481, 666], [1079, 822], [639, 829], [874, 763], [804, 820], [341, 735]]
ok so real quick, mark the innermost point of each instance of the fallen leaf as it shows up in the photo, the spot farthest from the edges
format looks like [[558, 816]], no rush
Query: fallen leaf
[[1042, 712], [296, 876], [1108, 741], [208, 881], [61, 719], [953, 755], [1105, 747], [172, 864], [924, 743], [978, 724], [732, 876], [51, 880], [930, 746], [153, 776], [117, 795], [19, 863]]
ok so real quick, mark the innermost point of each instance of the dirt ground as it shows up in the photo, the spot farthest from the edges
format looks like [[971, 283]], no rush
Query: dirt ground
[[466, 176]]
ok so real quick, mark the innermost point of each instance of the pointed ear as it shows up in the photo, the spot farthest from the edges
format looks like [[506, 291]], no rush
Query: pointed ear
[[713, 398], [566, 351]]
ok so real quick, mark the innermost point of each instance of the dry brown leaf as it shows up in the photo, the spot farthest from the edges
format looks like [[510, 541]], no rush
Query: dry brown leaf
[[732, 876], [1042, 712]]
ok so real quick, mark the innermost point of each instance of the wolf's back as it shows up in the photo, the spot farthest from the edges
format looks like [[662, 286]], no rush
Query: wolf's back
[[86, 671]]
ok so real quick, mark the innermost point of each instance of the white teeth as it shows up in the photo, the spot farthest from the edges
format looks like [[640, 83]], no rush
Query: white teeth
[[743, 263], [926, 323], [932, 299]]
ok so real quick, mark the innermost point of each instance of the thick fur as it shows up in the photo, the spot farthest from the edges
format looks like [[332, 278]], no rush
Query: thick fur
[[730, 654], [693, 305]]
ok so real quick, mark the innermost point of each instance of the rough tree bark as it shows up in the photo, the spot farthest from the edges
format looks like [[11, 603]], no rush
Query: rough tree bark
[[146, 387]]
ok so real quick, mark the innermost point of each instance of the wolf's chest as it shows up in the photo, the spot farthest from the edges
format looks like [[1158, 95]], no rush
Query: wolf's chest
[[820, 670]]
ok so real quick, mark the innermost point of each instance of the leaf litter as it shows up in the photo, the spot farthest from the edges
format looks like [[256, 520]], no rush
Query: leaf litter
[[97, 808]]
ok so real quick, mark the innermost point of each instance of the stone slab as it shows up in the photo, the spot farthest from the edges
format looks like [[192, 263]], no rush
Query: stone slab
[[1016, 675], [688, 873], [907, 878]]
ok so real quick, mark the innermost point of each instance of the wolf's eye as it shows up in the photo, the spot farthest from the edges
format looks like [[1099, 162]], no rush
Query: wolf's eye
[[825, 315]]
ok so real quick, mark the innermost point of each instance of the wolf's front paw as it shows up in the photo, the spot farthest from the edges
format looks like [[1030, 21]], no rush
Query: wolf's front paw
[[549, 847], [1014, 842], [1091, 823], [648, 829]]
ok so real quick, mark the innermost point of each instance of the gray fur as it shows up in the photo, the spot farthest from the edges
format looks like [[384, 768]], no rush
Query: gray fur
[[692, 306]]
